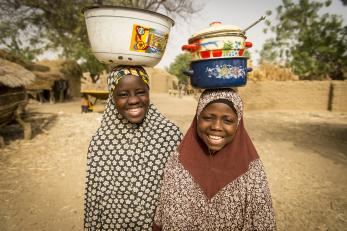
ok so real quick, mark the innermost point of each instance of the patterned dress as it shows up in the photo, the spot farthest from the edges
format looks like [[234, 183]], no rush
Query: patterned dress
[[226, 190], [125, 167], [244, 204]]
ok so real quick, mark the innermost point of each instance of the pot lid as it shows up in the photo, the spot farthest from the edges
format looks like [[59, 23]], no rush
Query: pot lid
[[217, 28]]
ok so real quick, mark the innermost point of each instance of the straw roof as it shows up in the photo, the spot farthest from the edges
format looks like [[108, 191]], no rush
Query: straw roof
[[14, 75], [27, 64], [54, 68], [46, 71], [44, 81], [57, 70]]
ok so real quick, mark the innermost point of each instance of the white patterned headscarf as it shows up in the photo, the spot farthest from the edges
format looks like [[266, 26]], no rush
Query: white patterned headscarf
[[125, 164], [210, 95]]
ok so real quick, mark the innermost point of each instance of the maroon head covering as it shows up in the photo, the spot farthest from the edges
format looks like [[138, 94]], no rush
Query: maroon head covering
[[213, 172]]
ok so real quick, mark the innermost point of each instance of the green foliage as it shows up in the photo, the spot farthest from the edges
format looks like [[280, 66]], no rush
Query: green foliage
[[180, 64], [30, 27], [314, 45]]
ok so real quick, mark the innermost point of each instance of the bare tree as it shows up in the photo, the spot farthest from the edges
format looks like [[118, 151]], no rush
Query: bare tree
[[31, 27]]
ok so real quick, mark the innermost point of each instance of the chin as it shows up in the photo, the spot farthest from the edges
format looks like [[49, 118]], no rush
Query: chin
[[136, 120], [215, 149]]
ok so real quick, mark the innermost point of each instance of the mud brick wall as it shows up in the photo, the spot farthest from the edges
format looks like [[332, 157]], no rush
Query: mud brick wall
[[74, 89], [295, 95], [339, 96], [159, 84]]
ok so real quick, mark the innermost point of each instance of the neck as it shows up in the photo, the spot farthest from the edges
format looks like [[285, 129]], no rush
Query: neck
[[210, 152]]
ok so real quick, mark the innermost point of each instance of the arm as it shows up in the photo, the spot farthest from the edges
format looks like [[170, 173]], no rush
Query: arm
[[157, 223], [259, 211], [91, 213], [158, 217]]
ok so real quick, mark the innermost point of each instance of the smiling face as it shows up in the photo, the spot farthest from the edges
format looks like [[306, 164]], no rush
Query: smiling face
[[131, 97], [216, 126]]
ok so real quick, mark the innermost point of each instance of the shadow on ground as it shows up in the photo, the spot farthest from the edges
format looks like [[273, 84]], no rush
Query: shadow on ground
[[319, 136], [40, 123]]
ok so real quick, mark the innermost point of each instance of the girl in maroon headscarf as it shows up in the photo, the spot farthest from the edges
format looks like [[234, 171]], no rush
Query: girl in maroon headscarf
[[215, 181]]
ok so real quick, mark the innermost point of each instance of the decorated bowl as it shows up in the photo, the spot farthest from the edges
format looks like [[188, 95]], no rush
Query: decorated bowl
[[127, 36]]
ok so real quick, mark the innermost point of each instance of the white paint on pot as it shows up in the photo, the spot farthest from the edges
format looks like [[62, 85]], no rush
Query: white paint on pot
[[127, 36], [217, 41]]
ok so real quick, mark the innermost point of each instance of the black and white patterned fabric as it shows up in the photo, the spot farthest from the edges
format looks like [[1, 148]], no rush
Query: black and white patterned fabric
[[124, 170]]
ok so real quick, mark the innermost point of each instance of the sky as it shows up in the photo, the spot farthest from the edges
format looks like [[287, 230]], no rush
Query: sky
[[229, 12]]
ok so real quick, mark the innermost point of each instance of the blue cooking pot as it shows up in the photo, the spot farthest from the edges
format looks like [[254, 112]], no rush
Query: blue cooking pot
[[219, 73]]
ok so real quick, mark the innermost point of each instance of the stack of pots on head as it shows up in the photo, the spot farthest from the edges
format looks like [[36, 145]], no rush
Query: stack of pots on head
[[218, 57]]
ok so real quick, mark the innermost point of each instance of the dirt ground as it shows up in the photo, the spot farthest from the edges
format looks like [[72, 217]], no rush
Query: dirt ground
[[304, 153]]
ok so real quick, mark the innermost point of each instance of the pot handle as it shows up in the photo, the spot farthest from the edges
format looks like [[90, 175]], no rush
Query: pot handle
[[189, 73], [191, 47], [256, 22], [248, 44]]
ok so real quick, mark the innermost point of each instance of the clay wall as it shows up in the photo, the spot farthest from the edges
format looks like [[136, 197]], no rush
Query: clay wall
[[295, 95]]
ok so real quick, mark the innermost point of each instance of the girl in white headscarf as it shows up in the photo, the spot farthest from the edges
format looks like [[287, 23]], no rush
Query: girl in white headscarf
[[126, 156]]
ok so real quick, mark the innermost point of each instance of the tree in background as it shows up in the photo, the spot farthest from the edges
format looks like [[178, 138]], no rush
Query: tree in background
[[179, 65], [31, 27], [314, 45]]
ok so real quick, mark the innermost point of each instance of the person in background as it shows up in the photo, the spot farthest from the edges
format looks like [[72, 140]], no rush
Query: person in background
[[215, 180], [84, 103], [127, 155]]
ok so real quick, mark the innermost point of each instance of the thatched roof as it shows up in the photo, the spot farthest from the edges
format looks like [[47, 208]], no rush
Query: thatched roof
[[44, 81], [46, 71], [54, 67], [14, 75], [273, 72], [57, 69], [27, 64]]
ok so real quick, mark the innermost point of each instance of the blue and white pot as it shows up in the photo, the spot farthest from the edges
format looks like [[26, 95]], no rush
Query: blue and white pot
[[219, 73]]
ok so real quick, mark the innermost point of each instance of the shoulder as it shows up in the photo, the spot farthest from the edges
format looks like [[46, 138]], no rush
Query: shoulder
[[256, 173], [173, 159], [162, 123], [173, 127], [172, 165], [256, 166]]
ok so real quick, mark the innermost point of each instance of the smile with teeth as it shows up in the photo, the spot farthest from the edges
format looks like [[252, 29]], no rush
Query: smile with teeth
[[215, 139], [134, 111]]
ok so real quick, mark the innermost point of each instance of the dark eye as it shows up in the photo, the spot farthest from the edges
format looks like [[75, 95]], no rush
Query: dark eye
[[207, 118], [141, 92], [229, 121], [122, 94]]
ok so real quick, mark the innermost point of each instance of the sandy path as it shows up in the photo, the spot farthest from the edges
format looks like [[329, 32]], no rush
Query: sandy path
[[305, 155]]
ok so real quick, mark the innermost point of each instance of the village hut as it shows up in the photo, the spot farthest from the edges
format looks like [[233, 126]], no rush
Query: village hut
[[13, 96], [60, 82], [161, 81]]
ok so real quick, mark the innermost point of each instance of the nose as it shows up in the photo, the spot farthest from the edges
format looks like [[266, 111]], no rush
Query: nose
[[133, 99], [216, 125]]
